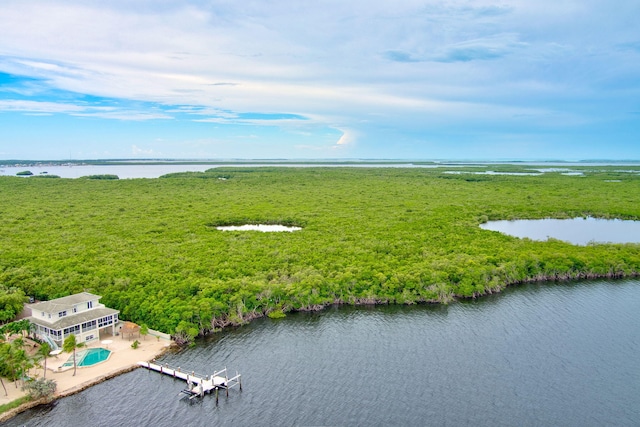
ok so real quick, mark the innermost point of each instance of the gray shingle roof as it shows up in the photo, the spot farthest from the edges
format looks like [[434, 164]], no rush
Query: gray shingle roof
[[75, 319], [65, 303]]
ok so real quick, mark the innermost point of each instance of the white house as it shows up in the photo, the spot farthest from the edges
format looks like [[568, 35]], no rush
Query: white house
[[79, 314]]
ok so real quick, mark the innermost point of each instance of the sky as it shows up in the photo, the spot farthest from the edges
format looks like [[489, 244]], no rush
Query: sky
[[356, 79]]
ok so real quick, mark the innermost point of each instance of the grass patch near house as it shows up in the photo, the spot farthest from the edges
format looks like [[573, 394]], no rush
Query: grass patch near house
[[14, 404]]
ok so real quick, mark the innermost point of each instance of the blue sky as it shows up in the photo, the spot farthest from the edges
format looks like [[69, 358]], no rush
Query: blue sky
[[431, 79]]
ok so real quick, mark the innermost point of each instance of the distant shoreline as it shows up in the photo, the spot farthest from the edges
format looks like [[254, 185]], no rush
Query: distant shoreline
[[133, 169], [231, 162]]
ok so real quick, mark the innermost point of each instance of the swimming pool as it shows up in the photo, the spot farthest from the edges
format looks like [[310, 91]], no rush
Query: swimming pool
[[89, 357]]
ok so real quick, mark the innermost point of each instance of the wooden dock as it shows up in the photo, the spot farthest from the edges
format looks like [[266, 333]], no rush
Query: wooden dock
[[197, 385]]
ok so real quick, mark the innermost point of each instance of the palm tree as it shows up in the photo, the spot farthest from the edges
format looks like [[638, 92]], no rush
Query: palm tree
[[42, 354], [23, 327], [70, 344], [18, 362]]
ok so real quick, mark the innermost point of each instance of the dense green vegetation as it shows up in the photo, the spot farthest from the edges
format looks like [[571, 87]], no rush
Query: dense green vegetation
[[151, 249], [11, 303]]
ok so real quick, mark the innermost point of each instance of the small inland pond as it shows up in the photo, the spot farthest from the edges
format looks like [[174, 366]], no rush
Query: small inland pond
[[537, 354], [265, 228]]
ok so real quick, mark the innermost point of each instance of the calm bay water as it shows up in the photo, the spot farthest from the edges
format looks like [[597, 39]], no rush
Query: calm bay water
[[122, 171], [157, 170], [535, 355], [137, 170]]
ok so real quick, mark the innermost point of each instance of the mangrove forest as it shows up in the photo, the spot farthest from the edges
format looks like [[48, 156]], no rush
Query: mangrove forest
[[368, 235]]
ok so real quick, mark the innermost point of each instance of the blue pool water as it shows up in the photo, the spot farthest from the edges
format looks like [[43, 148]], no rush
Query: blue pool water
[[89, 357]]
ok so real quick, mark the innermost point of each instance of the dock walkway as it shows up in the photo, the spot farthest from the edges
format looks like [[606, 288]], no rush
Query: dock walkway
[[197, 385]]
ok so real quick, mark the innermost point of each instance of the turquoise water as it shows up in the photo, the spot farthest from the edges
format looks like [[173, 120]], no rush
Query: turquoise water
[[89, 357]]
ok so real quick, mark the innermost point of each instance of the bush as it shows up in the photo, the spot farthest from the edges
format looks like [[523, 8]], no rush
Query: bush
[[40, 388], [276, 314], [185, 333], [135, 344]]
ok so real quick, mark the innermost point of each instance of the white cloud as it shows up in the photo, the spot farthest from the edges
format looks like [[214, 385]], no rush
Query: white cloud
[[348, 138], [13, 105], [135, 53], [137, 151], [355, 66], [126, 115], [48, 108]]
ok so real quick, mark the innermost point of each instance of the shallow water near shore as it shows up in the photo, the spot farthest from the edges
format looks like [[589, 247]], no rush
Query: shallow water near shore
[[537, 354]]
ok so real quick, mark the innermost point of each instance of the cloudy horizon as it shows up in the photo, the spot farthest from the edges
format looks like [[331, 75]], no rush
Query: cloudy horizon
[[215, 79]]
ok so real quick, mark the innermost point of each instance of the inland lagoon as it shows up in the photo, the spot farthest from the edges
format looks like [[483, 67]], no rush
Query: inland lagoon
[[578, 231], [536, 354]]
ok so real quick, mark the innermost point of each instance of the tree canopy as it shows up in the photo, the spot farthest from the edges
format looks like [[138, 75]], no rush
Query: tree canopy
[[151, 248], [12, 301]]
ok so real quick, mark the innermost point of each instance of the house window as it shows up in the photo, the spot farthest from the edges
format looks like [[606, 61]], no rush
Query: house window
[[72, 330], [89, 325], [106, 321], [62, 313], [75, 310], [42, 313], [90, 304]]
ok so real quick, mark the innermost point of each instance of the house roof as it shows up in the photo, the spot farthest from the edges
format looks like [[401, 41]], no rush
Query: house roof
[[75, 319], [65, 303]]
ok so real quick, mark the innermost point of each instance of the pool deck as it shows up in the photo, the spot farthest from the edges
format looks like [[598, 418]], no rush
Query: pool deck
[[123, 359]]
